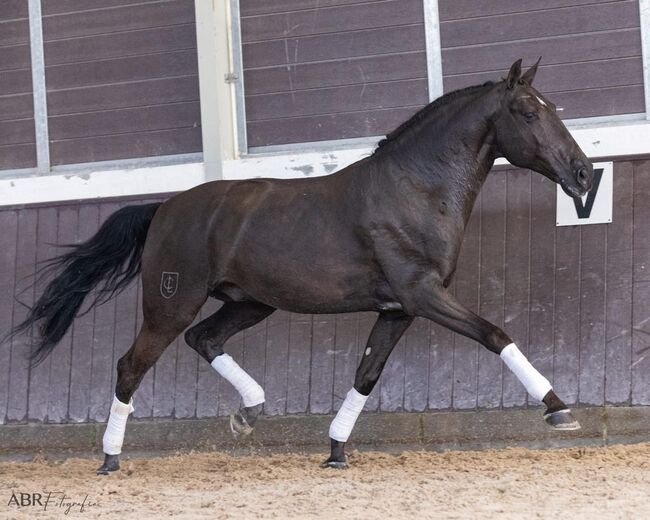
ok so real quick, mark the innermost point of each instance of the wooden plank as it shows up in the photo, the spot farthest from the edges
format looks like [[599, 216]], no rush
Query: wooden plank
[[542, 279], [39, 377], [461, 9], [492, 288], [335, 19], [517, 272], [593, 272], [126, 146], [187, 366], [350, 71], [336, 100], [322, 363], [568, 48], [17, 156], [619, 287], [16, 106], [277, 361], [83, 331], [17, 132], [345, 357], [441, 366], [121, 44], [334, 126], [320, 47], [467, 292], [103, 362], [299, 361], [16, 81], [14, 9], [141, 119], [641, 287], [567, 76], [61, 367], [207, 394], [9, 225], [567, 313], [123, 18], [164, 381], [70, 6], [124, 95], [257, 7], [600, 102], [19, 368], [15, 57], [391, 382], [118, 70], [14, 32], [416, 366], [540, 23]]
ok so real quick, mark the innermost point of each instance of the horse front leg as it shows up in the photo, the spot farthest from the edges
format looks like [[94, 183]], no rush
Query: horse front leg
[[440, 306], [385, 334]]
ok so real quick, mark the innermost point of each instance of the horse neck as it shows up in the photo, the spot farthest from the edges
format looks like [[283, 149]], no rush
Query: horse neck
[[448, 156]]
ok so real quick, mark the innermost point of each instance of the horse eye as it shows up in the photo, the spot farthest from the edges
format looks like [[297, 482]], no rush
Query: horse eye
[[530, 116]]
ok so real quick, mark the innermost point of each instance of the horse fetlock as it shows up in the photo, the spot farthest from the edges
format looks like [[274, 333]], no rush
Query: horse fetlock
[[337, 459], [111, 463]]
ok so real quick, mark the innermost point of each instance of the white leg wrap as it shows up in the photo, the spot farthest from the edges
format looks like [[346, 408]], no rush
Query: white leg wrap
[[342, 425], [252, 393], [536, 384], [116, 426]]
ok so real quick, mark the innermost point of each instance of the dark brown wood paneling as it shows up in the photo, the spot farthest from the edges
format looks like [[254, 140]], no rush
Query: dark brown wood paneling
[[298, 363], [373, 50], [16, 106], [322, 364], [640, 366], [416, 366], [109, 67], [14, 9], [9, 225], [517, 275], [392, 387], [345, 357], [594, 71], [619, 288], [277, 361], [257, 7], [467, 292], [207, 391], [71, 6]]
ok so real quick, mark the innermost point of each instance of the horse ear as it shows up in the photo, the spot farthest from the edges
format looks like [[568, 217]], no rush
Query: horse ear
[[529, 75], [514, 74]]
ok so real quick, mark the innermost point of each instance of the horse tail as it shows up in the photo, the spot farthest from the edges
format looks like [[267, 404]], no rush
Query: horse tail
[[112, 256]]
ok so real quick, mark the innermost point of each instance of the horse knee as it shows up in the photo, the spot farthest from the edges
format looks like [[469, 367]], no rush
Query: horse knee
[[196, 339]]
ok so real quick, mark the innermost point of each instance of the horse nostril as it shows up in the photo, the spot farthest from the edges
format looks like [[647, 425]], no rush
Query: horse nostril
[[583, 176]]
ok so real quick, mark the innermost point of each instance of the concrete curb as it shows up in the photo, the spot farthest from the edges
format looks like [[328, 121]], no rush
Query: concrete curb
[[433, 430]]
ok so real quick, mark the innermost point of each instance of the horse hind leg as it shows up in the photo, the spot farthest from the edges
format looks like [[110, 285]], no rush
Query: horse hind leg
[[208, 338], [154, 337]]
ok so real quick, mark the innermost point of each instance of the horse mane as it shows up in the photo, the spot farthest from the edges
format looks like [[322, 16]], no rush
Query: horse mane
[[437, 103]]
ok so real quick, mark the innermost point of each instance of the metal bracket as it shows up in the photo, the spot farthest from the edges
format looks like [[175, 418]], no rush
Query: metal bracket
[[231, 77]]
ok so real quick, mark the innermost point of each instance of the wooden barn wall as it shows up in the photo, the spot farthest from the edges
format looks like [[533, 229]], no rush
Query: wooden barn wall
[[122, 79], [331, 69], [575, 299], [17, 137], [591, 49]]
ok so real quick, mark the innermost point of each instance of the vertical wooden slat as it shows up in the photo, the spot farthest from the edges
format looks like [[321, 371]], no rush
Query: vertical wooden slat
[[491, 302], [83, 332], [300, 348], [60, 369], [416, 366], [207, 395], [542, 270], [441, 365], [391, 397], [9, 225], [277, 361], [39, 383], [467, 293], [164, 384], [345, 358], [322, 363], [102, 390], [641, 286], [517, 275], [592, 314], [567, 313], [187, 366], [25, 264], [619, 288]]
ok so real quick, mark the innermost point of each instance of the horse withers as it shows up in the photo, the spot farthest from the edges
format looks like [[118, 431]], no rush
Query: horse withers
[[382, 234]]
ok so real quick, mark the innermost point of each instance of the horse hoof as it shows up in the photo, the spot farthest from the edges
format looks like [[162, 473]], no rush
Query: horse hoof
[[111, 463], [334, 464], [239, 427], [562, 420]]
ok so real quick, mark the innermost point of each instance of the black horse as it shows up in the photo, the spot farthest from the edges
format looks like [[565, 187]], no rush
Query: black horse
[[381, 235]]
